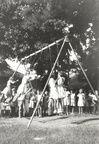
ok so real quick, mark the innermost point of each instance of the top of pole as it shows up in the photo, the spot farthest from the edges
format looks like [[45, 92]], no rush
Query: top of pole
[[46, 47]]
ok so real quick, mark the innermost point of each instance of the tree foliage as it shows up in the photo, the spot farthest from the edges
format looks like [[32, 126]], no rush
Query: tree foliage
[[28, 25]]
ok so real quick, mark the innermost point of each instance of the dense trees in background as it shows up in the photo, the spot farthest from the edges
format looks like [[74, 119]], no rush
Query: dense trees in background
[[28, 25]]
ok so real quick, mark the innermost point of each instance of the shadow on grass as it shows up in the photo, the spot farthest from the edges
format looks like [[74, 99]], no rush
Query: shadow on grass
[[84, 121], [49, 119]]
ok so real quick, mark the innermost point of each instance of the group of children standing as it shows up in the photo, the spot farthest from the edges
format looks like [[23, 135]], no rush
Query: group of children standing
[[63, 100], [78, 102], [58, 99]]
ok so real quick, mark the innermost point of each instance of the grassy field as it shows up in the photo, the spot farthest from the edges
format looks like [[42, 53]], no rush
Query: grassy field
[[50, 130]]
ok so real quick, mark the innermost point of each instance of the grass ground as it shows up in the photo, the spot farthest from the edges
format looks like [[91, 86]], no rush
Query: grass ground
[[50, 130]]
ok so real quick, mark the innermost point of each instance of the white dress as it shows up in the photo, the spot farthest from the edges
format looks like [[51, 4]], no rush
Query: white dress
[[22, 87], [81, 99], [53, 90], [72, 97], [7, 89], [66, 98], [32, 101], [60, 87]]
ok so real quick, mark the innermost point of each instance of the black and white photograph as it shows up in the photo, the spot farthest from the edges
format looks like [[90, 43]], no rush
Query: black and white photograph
[[49, 71]]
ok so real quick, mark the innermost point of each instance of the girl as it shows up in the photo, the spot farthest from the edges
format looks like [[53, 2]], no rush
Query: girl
[[53, 93], [8, 89], [60, 89], [81, 101], [72, 100], [32, 102], [39, 108], [66, 100]]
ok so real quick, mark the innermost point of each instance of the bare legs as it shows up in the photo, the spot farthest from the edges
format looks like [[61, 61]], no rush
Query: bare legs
[[80, 110]]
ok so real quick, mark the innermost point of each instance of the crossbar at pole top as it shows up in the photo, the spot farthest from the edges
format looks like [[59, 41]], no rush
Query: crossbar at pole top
[[46, 47]]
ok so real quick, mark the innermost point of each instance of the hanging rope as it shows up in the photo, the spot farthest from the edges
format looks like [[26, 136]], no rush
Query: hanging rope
[[82, 68], [46, 83], [34, 60], [57, 53], [40, 56], [50, 57]]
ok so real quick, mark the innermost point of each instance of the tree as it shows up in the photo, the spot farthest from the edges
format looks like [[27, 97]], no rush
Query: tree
[[29, 25]]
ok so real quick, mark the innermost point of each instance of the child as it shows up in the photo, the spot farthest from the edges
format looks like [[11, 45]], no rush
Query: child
[[66, 100], [60, 89], [32, 103], [72, 100], [53, 94], [13, 105], [95, 102], [45, 103], [8, 89], [81, 101], [39, 99]]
